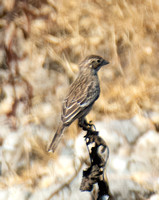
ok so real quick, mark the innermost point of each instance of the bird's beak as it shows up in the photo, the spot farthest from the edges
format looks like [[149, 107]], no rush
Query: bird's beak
[[105, 62]]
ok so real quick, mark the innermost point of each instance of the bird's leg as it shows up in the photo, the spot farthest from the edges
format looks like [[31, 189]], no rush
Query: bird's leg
[[87, 126], [90, 124], [82, 124]]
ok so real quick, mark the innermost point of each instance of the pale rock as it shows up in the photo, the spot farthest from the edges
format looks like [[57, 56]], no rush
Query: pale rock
[[14, 193], [154, 197]]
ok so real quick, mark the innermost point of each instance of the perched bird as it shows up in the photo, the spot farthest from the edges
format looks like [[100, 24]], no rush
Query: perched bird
[[82, 94]]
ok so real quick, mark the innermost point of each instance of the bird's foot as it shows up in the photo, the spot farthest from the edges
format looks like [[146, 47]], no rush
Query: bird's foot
[[90, 125], [87, 126]]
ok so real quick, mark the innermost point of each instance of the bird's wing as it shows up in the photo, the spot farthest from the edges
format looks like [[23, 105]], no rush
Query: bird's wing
[[77, 101]]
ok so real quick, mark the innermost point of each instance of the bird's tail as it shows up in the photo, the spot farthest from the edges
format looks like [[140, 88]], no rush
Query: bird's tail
[[56, 138]]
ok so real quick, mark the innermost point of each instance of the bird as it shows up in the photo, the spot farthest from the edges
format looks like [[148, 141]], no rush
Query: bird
[[82, 94]]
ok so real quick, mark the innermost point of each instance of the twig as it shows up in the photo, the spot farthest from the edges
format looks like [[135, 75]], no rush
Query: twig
[[98, 157]]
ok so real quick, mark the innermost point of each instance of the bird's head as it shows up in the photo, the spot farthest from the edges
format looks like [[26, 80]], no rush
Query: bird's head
[[93, 62]]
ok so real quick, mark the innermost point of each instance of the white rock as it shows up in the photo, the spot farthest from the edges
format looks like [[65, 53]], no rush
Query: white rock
[[3, 194], [14, 193], [154, 197], [111, 137], [119, 164], [81, 151]]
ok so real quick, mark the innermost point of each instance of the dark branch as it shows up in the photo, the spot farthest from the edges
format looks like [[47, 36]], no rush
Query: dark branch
[[98, 153]]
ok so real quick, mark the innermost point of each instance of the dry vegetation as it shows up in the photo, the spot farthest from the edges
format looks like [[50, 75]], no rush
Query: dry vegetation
[[41, 43]]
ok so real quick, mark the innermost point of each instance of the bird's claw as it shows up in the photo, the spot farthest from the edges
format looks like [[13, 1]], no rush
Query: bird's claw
[[90, 125]]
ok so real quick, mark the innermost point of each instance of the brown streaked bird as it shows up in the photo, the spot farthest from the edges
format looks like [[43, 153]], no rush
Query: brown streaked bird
[[82, 94]]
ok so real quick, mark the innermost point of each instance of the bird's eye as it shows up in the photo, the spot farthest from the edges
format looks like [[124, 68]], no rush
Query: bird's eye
[[98, 61]]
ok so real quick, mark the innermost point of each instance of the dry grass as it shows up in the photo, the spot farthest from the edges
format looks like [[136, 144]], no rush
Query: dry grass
[[124, 32], [43, 41]]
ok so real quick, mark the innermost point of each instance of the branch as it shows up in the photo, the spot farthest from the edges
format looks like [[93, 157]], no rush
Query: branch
[[98, 153]]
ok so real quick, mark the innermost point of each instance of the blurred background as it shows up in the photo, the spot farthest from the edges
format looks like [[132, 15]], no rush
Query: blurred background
[[41, 44]]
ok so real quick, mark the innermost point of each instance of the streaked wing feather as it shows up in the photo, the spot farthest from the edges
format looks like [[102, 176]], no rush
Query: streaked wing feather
[[72, 108]]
